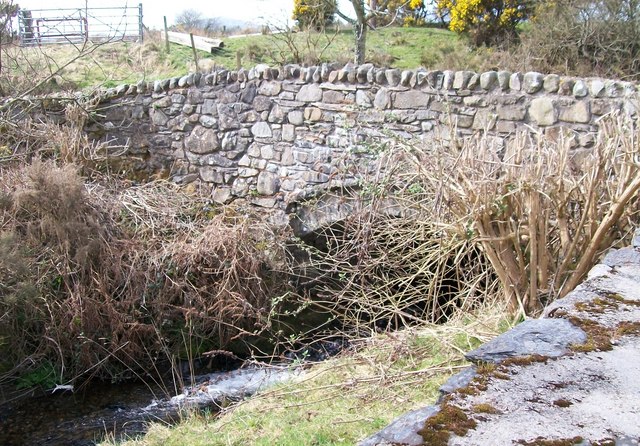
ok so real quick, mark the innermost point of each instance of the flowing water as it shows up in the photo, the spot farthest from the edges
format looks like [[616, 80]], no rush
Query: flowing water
[[83, 417]]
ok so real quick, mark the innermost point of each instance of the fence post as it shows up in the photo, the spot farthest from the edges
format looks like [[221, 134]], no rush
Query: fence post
[[140, 23], [166, 34], [195, 53]]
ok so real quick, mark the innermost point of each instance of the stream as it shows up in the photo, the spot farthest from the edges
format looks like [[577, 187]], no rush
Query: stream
[[87, 415]]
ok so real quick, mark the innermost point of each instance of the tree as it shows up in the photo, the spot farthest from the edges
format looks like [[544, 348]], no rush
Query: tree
[[314, 14], [8, 11], [488, 22], [189, 19], [367, 15]]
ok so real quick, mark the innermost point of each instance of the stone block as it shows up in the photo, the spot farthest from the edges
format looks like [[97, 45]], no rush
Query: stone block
[[484, 120], [202, 140], [311, 176], [580, 89], [532, 82], [221, 195], [462, 121], [474, 82], [546, 337], [475, 101], [505, 126], [246, 172], [579, 112], [614, 89], [382, 99], [512, 112], [158, 117], [406, 77], [270, 88], [597, 88], [195, 96], [188, 109], [410, 99], [332, 97], [461, 79], [258, 163], [209, 107], [276, 115], [566, 86], [288, 132], [210, 174], [363, 98], [296, 117], [447, 79], [504, 77], [268, 183], [515, 81], [245, 161], [208, 121], [542, 111], [261, 130], [309, 93], [488, 80], [392, 76], [312, 114], [435, 79], [551, 83]]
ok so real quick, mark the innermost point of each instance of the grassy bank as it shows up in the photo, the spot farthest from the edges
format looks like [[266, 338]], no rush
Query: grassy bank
[[110, 64], [344, 399]]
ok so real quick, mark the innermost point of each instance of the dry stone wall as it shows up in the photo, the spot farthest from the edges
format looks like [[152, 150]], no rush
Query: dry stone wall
[[274, 135]]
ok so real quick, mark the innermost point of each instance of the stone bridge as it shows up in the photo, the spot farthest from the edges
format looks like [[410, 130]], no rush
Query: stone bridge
[[275, 136]]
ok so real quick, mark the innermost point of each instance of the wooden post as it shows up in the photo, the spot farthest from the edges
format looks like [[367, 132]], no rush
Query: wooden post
[[195, 53], [166, 34]]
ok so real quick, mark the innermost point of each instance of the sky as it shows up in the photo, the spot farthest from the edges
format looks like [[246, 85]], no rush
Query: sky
[[255, 11]]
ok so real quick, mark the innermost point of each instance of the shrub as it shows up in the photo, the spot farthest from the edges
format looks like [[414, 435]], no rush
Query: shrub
[[487, 22], [314, 14], [586, 37], [450, 225], [98, 281]]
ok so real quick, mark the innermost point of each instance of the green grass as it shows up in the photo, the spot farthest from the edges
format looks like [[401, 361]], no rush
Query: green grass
[[116, 63], [342, 400]]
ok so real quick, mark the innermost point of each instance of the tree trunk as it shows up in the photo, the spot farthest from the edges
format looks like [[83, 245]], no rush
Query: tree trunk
[[361, 30], [361, 43]]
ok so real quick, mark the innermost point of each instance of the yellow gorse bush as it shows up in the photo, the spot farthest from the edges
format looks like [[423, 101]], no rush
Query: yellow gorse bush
[[492, 16]]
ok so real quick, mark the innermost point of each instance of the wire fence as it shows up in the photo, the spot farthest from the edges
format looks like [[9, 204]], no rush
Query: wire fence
[[79, 25]]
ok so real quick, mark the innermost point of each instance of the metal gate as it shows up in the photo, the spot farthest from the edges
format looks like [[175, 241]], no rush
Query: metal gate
[[59, 26]]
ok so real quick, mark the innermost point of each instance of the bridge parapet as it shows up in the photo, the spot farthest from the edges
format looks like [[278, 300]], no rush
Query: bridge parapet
[[276, 135]]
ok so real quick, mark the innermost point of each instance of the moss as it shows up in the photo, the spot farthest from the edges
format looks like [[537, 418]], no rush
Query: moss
[[628, 328], [598, 336], [485, 408], [524, 360], [621, 299], [604, 442], [597, 305], [560, 442], [450, 419], [500, 375], [485, 367], [608, 301], [562, 403]]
